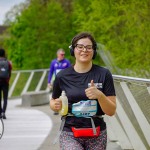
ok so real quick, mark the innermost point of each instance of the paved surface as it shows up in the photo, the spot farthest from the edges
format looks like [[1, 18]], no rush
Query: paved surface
[[32, 128]]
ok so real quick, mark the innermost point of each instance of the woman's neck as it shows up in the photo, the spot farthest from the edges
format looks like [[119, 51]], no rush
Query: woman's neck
[[82, 67]]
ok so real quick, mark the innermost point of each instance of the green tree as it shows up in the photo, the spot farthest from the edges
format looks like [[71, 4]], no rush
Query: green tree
[[43, 26], [37, 34]]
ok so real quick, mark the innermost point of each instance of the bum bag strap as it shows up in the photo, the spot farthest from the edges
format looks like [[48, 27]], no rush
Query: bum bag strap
[[60, 130], [61, 127], [93, 126], [92, 122]]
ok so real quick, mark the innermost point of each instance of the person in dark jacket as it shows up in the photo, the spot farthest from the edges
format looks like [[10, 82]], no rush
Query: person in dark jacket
[[5, 74]]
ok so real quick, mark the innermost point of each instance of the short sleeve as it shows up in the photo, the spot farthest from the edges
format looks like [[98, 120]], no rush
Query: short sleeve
[[56, 88], [109, 89]]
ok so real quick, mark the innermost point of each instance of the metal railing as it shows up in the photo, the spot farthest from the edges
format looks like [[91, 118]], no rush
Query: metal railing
[[27, 80], [131, 124]]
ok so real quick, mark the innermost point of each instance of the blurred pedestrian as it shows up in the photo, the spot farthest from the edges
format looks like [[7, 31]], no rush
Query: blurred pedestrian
[[57, 65], [5, 74]]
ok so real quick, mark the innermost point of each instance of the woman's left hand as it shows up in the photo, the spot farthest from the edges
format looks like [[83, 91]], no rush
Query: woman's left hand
[[92, 92]]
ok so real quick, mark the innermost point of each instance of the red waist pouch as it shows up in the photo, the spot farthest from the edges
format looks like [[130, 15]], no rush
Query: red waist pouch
[[85, 132]]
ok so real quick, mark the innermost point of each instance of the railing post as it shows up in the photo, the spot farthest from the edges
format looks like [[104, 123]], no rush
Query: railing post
[[143, 123], [114, 125], [129, 129], [13, 85], [28, 83], [41, 81], [148, 88]]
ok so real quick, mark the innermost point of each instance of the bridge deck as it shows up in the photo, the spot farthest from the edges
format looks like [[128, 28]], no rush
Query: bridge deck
[[32, 128]]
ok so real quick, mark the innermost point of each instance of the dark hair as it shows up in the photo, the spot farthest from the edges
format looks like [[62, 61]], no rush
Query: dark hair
[[2, 52], [81, 36]]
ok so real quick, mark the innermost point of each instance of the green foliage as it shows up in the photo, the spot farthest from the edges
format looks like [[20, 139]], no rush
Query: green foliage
[[122, 26], [37, 34], [44, 26]]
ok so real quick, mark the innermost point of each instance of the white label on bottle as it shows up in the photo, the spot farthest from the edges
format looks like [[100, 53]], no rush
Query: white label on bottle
[[85, 108]]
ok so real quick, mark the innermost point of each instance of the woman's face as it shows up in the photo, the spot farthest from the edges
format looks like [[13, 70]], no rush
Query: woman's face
[[84, 50]]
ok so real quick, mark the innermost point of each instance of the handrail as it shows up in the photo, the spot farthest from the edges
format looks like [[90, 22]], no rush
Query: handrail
[[35, 70], [131, 78], [132, 104], [24, 89]]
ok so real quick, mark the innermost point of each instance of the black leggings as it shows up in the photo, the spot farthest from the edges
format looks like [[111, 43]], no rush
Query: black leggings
[[3, 94]]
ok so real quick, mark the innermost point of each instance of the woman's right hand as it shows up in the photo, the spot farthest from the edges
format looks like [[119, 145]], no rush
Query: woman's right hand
[[56, 104]]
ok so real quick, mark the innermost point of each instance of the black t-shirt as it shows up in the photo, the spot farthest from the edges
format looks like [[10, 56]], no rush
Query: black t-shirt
[[74, 84]]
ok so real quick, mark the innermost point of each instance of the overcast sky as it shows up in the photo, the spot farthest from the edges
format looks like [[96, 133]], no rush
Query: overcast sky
[[5, 6]]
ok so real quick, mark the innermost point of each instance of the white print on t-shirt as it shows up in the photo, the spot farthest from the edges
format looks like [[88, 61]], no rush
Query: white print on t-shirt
[[60, 65], [85, 108], [98, 85], [57, 70], [64, 64], [55, 65]]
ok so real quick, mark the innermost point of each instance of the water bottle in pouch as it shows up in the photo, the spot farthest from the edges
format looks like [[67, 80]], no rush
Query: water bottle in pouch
[[64, 100]]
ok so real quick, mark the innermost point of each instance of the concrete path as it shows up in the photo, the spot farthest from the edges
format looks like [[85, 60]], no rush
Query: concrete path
[[32, 128], [24, 129]]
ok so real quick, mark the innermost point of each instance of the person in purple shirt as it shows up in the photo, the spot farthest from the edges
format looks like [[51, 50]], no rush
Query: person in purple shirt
[[57, 65]]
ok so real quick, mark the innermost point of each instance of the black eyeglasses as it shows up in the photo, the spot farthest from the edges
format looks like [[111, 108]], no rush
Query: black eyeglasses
[[81, 47]]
